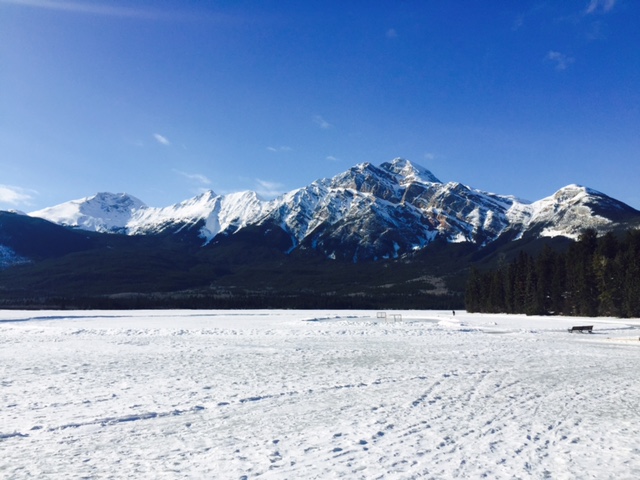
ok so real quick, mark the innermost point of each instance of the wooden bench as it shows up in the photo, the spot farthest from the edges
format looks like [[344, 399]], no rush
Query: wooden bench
[[582, 329]]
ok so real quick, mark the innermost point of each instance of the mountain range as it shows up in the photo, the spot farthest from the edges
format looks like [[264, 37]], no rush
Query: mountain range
[[396, 215]]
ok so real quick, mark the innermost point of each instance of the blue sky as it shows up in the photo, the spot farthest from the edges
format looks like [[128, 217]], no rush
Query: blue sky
[[163, 99]]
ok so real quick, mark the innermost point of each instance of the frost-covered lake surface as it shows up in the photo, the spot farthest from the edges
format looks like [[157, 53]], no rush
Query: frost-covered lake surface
[[316, 394]]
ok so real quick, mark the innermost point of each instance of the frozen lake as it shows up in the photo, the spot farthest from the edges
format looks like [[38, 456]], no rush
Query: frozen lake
[[316, 394]]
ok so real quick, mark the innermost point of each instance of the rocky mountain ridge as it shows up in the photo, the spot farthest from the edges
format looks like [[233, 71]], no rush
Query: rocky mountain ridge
[[367, 212]]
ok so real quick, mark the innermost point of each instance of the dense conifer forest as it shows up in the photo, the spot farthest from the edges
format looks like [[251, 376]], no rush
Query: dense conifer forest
[[594, 277]]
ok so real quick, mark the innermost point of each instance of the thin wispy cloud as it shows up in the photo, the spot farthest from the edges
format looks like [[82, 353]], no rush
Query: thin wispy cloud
[[331, 158], [195, 177], [600, 6], [267, 188], [321, 122], [15, 196], [161, 139], [105, 9], [524, 18], [392, 33], [560, 60], [280, 149], [517, 23], [87, 8]]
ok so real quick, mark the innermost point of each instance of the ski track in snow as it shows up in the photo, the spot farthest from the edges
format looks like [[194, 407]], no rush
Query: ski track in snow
[[302, 394]]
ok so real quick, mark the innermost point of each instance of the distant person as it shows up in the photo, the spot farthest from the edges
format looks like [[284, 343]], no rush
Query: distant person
[[454, 313]]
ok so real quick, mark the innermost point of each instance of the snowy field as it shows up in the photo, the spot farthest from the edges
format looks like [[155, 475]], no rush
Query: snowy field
[[316, 394]]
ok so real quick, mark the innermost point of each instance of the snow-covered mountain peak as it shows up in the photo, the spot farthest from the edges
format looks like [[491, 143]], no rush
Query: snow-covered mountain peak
[[102, 212], [569, 211], [115, 199], [569, 196], [206, 196], [571, 192], [368, 211], [217, 212], [201, 201], [410, 172], [388, 181], [364, 177]]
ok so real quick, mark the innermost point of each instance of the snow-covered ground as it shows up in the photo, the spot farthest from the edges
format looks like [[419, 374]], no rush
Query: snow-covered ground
[[316, 394]]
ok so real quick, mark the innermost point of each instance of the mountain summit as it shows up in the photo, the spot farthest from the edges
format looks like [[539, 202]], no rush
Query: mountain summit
[[368, 212], [103, 212], [409, 171]]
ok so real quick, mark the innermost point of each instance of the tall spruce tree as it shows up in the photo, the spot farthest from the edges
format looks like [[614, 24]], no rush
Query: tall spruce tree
[[607, 276]]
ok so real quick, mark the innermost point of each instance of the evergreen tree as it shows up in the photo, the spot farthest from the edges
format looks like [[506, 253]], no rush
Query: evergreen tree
[[545, 269], [607, 276], [521, 268], [509, 279], [581, 286], [496, 292], [473, 293], [631, 260], [559, 286], [532, 304], [595, 276]]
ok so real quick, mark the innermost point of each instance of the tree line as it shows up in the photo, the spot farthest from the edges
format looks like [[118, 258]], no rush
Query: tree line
[[595, 276], [273, 300]]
